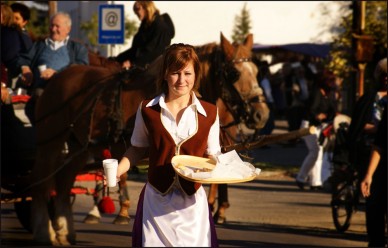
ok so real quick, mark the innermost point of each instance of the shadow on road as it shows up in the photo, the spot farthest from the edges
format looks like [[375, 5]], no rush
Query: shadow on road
[[292, 230]]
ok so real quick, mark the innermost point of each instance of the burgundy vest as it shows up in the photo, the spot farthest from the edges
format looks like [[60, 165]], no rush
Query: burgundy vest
[[162, 148]]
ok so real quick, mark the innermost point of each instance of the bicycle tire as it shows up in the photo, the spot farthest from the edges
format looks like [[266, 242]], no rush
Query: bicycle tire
[[342, 209]]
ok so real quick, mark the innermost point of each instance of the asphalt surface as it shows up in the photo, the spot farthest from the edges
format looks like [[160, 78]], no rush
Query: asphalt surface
[[269, 211]]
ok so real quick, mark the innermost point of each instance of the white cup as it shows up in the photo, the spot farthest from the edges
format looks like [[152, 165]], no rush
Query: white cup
[[110, 169], [42, 68]]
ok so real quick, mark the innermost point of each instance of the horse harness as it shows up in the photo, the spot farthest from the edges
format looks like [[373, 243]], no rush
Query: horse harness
[[237, 106]]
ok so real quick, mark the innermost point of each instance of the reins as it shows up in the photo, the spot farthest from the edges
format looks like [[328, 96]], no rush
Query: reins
[[236, 105]]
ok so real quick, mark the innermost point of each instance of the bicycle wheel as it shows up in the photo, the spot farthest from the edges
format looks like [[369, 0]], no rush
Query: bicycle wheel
[[342, 208]]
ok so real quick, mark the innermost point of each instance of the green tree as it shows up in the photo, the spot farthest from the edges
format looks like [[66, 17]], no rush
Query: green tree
[[90, 29], [242, 25], [341, 54]]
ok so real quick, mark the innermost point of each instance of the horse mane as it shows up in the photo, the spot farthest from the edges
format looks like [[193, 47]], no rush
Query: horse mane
[[211, 57]]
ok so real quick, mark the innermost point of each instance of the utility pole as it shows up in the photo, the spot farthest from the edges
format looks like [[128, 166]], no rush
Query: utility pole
[[362, 47], [353, 79]]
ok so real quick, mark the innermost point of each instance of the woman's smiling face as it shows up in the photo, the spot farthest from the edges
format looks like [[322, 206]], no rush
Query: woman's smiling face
[[181, 82]]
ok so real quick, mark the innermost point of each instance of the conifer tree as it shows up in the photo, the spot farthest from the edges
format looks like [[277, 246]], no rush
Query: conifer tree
[[242, 25]]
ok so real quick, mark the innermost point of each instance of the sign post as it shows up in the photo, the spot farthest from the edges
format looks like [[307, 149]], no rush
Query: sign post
[[111, 24]]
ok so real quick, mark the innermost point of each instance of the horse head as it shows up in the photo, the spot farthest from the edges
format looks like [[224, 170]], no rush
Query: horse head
[[240, 100]]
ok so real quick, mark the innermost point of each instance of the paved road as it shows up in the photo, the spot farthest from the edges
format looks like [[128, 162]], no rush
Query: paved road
[[269, 211]]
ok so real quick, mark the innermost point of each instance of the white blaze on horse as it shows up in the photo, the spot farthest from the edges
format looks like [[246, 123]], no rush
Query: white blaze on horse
[[92, 108]]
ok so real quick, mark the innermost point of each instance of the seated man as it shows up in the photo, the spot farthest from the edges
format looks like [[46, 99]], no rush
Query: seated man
[[51, 55]]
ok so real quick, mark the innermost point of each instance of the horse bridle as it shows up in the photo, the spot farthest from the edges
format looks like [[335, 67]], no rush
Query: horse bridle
[[238, 107]]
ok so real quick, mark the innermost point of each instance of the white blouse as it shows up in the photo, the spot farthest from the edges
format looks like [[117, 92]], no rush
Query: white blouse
[[176, 219], [179, 132]]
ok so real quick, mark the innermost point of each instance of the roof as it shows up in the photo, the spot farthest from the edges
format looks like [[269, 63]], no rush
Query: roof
[[311, 49]]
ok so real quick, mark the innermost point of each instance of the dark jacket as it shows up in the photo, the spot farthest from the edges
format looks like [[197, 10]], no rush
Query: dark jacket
[[149, 42], [381, 141], [361, 115], [13, 43], [320, 104]]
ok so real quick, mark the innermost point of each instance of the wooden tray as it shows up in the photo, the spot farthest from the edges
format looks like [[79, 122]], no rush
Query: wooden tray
[[200, 163]]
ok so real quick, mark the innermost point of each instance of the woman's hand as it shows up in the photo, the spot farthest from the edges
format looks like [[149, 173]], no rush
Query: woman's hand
[[321, 116], [27, 76], [126, 64], [365, 186], [4, 93], [105, 182]]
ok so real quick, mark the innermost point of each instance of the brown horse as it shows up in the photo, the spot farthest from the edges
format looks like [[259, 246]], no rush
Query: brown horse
[[239, 98], [92, 108]]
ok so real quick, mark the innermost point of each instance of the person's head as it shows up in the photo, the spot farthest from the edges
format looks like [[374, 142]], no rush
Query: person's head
[[380, 75], [263, 69], [177, 58], [6, 15], [60, 26], [145, 11], [21, 14], [326, 81]]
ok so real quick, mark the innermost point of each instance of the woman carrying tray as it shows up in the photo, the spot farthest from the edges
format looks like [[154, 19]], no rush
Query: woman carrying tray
[[173, 211]]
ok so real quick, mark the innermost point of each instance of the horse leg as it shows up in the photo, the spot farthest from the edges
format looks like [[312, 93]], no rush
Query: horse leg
[[212, 196], [63, 217], [41, 224], [223, 204], [94, 216], [42, 229], [63, 221], [123, 217]]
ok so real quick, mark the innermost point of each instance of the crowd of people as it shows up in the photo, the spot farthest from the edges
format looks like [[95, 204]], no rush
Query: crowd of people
[[312, 98], [305, 95]]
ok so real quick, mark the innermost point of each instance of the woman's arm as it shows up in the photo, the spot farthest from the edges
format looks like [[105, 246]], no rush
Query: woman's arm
[[130, 157], [373, 163]]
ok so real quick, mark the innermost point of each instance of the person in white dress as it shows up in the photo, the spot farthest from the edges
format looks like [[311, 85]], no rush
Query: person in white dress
[[171, 210]]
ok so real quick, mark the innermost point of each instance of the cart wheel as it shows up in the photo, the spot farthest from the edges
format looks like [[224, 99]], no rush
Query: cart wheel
[[23, 212], [342, 209]]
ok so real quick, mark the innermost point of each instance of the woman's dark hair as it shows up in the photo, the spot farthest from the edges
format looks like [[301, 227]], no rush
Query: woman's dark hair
[[22, 9], [175, 58]]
